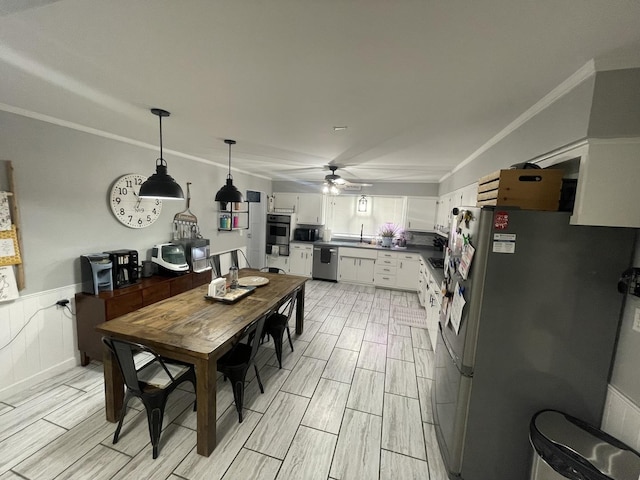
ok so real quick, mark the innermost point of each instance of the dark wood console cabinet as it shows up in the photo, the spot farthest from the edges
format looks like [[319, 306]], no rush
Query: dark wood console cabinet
[[92, 310]]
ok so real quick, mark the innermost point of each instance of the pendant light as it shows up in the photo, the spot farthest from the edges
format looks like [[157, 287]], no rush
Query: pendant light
[[362, 204], [161, 185], [229, 193]]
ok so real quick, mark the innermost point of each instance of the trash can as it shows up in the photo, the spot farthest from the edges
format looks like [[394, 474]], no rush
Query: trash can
[[565, 447]]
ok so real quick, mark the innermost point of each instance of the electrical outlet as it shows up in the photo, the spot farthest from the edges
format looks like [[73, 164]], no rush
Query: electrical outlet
[[636, 320]]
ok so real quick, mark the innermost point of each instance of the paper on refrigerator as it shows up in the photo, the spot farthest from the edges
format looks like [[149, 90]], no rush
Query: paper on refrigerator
[[457, 305]]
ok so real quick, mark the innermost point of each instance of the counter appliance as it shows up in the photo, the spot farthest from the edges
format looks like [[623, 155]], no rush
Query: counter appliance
[[196, 251], [95, 270], [170, 258], [325, 263], [306, 234], [124, 267], [279, 232], [538, 331]]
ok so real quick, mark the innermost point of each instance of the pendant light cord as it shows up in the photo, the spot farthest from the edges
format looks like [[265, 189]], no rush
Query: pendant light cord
[[229, 175], [160, 119]]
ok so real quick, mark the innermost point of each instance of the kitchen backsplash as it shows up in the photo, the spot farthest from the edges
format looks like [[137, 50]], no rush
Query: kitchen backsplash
[[419, 238]]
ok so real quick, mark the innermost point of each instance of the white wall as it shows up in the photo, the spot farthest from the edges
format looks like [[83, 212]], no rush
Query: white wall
[[63, 177]]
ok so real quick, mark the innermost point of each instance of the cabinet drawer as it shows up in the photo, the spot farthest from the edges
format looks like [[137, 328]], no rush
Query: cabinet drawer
[[385, 270], [123, 304], [357, 252], [385, 280], [409, 256], [201, 278], [180, 284], [390, 262], [155, 293], [387, 255]]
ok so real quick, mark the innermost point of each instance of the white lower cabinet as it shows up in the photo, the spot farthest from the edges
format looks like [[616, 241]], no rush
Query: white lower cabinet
[[408, 271], [301, 259], [397, 270], [356, 265], [278, 262]]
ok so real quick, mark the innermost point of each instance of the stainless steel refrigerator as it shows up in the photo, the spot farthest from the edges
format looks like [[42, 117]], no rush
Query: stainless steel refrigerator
[[538, 325]]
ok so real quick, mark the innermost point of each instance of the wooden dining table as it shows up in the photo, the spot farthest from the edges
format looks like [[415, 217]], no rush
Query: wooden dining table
[[192, 328]]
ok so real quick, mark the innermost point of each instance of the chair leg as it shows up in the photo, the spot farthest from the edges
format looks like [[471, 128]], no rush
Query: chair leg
[[258, 378], [289, 335], [127, 397], [155, 416], [238, 396], [277, 343]]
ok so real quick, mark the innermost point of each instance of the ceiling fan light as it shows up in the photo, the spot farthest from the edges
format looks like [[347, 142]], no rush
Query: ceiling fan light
[[161, 185], [334, 190]]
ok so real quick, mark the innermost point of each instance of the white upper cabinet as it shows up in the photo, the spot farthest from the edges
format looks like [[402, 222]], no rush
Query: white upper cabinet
[[285, 201], [311, 208], [608, 175], [421, 213]]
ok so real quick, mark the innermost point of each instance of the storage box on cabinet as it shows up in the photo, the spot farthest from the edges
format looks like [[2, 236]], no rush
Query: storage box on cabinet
[[529, 189]]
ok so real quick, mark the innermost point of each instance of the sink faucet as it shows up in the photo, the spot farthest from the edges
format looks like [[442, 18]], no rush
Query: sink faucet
[[361, 228]]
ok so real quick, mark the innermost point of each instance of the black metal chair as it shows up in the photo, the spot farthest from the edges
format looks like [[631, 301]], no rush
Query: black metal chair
[[278, 323], [216, 265], [151, 383], [236, 362], [272, 270]]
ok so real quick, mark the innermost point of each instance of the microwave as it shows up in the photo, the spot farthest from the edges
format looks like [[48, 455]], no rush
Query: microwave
[[306, 234], [197, 253]]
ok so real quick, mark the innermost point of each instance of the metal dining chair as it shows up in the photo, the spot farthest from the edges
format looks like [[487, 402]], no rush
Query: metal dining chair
[[151, 383], [236, 362], [278, 323], [272, 270]]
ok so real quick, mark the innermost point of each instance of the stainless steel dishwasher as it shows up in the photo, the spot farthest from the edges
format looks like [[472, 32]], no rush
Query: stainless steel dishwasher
[[325, 263]]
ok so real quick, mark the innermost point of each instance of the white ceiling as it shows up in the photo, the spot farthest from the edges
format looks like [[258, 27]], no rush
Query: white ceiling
[[421, 84]]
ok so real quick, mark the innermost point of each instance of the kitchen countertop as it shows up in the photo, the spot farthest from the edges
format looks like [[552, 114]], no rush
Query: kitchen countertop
[[424, 250]]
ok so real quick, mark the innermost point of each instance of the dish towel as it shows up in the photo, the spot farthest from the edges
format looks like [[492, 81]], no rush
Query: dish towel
[[325, 255]]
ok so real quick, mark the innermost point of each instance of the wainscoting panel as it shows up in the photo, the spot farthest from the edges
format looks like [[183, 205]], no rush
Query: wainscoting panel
[[621, 418], [37, 339]]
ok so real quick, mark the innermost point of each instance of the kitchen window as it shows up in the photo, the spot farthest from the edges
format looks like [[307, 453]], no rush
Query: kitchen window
[[347, 221]]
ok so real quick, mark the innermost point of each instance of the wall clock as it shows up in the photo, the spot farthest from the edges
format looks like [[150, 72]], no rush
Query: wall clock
[[129, 209]]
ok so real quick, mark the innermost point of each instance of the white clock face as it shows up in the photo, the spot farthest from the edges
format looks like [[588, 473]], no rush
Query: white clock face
[[129, 209]]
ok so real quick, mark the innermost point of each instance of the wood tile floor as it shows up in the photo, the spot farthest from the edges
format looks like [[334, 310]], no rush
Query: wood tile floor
[[351, 402]]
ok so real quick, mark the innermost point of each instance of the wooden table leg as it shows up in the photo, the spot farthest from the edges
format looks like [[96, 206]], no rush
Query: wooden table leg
[[113, 386], [300, 310], [206, 405]]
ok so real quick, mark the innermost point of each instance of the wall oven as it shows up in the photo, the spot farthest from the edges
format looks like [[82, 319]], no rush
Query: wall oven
[[278, 234]]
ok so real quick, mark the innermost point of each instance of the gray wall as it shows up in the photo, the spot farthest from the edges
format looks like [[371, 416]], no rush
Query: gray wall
[[381, 188], [63, 179], [563, 122]]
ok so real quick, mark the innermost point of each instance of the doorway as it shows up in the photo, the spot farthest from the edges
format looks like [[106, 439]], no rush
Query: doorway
[[257, 235]]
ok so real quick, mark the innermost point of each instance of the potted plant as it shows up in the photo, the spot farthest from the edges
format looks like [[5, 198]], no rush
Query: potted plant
[[388, 232]]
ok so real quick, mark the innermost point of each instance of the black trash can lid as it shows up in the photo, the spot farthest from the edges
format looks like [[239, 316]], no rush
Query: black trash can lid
[[580, 451]]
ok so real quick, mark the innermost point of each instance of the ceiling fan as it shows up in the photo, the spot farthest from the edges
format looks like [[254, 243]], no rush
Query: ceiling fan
[[333, 182]]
